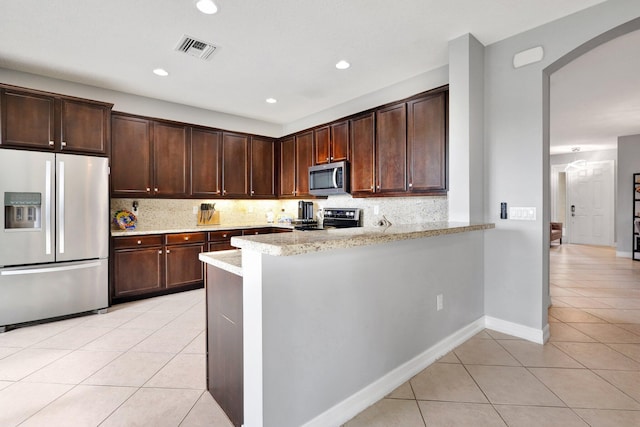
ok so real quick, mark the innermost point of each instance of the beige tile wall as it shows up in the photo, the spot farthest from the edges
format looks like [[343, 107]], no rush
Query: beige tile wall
[[178, 213]]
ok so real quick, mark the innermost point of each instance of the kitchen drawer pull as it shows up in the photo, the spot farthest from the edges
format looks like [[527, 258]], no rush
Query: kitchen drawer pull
[[186, 238], [139, 242], [224, 235]]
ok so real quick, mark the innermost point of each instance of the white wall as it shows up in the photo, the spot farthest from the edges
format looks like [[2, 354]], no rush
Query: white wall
[[628, 164], [516, 159]]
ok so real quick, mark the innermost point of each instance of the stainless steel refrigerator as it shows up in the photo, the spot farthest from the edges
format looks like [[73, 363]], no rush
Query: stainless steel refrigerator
[[54, 244]]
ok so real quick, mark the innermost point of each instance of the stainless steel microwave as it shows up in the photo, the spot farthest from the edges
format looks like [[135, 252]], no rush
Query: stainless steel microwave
[[329, 179]]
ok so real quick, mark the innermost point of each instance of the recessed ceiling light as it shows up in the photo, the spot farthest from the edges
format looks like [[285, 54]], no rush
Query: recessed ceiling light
[[271, 100], [206, 6], [160, 72], [342, 65]]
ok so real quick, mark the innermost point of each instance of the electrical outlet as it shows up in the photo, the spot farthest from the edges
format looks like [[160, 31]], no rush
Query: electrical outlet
[[439, 302], [376, 209], [195, 209]]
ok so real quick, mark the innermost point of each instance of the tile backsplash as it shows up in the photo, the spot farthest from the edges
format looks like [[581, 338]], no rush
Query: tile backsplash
[[179, 213]]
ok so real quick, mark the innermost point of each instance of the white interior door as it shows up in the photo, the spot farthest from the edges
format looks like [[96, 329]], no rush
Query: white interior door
[[590, 203]]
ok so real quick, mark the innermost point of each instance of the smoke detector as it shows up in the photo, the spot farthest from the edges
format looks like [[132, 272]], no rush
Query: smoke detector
[[195, 47]]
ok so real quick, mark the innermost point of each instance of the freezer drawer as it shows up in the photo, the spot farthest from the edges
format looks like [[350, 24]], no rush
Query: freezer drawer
[[52, 290]]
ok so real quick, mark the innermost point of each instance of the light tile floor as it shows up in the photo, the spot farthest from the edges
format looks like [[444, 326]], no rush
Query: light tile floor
[[587, 375], [143, 364]]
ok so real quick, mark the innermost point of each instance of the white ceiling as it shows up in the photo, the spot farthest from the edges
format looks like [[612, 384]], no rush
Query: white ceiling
[[596, 97], [287, 49]]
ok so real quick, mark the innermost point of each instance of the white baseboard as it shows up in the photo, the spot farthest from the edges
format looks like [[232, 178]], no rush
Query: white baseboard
[[361, 400], [621, 254], [539, 336]]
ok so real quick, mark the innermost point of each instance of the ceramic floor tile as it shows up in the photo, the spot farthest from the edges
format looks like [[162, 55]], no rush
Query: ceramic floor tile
[[84, 405], [628, 382], [512, 386], [73, 368], [403, 392], [192, 319], [27, 361], [581, 388], [154, 407], [183, 371], [449, 414], [606, 418], [630, 350], [206, 413], [539, 416], [111, 319], [30, 335], [7, 351], [72, 338], [449, 358], [21, 400], [607, 333], [571, 315], [446, 382], [166, 340], [535, 355], [613, 315], [118, 340], [566, 332], [484, 352], [598, 356], [197, 346], [5, 384], [130, 369], [149, 320], [389, 413]]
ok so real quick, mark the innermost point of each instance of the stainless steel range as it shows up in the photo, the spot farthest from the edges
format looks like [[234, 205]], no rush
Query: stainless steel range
[[335, 218]]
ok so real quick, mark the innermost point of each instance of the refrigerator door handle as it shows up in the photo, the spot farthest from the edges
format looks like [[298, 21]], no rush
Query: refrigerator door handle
[[61, 207], [47, 207], [49, 269]]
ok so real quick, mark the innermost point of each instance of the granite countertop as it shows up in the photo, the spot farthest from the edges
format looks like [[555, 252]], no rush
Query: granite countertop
[[142, 230], [301, 242], [230, 261]]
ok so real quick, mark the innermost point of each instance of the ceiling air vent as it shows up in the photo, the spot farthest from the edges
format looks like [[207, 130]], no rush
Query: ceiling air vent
[[194, 47]]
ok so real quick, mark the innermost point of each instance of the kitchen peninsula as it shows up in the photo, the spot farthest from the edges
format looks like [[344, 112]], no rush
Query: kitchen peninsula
[[333, 320]]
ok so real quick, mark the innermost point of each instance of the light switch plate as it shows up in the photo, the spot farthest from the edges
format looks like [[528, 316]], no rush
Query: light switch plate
[[522, 213]]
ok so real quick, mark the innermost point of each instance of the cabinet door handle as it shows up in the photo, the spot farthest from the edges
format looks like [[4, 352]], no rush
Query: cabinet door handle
[[410, 185], [168, 251], [253, 192], [224, 235], [155, 189], [160, 252], [148, 189], [51, 143], [372, 187], [378, 187], [64, 144], [327, 159]]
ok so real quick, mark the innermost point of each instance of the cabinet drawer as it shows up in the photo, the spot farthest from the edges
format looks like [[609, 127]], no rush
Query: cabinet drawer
[[216, 236], [179, 238], [137, 241]]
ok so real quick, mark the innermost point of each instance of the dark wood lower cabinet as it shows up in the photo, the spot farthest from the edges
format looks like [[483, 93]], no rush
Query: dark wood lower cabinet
[[137, 271], [224, 342], [181, 268]]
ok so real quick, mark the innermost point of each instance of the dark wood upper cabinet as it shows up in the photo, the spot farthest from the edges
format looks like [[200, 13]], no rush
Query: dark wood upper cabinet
[[427, 143], [331, 143], [47, 122], [287, 182], [28, 120], [363, 145], [235, 151], [130, 156], [206, 163], [304, 159], [85, 126], [391, 149], [170, 160], [262, 167]]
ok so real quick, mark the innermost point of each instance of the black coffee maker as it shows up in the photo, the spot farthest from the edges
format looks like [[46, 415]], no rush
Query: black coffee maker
[[305, 210]]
